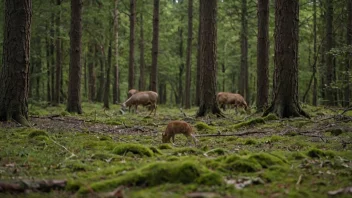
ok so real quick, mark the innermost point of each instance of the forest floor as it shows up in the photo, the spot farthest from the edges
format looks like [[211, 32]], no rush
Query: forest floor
[[103, 153]]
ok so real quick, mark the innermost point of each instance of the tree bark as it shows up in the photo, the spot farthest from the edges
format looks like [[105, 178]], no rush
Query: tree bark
[[91, 72], [244, 53], [48, 64], [132, 35], [14, 77], [285, 90], [349, 59], [101, 57], [141, 58], [107, 82], [180, 68], [315, 92], [329, 57], [155, 46], [74, 88], [56, 100], [116, 47], [263, 55], [208, 103], [189, 54], [197, 98]]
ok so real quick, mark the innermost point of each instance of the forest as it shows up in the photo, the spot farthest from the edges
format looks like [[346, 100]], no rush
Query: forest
[[175, 98]]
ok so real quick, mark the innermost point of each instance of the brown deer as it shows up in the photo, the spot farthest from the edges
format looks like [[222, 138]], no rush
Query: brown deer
[[178, 127], [144, 98]]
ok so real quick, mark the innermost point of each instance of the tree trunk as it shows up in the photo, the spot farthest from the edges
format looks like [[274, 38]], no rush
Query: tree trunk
[[115, 88], [14, 75], [349, 59], [100, 92], [48, 64], [189, 53], [155, 46], [285, 90], [91, 72], [180, 69], [39, 70], [315, 92], [263, 55], [74, 87], [141, 58], [197, 98], [132, 35], [244, 53], [208, 103], [107, 82], [329, 57], [58, 56]]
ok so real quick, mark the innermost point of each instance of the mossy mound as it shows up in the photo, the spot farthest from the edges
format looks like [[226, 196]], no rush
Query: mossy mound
[[232, 158], [335, 131], [250, 142], [251, 122], [243, 165], [155, 150], [159, 173], [36, 133], [187, 151], [210, 179], [123, 149], [266, 160], [201, 126], [298, 155], [317, 153], [76, 166], [165, 146], [217, 151], [270, 117]]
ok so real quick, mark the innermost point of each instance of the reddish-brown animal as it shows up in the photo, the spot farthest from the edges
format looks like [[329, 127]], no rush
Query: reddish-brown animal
[[144, 98], [178, 127], [227, 98], [131, 92]]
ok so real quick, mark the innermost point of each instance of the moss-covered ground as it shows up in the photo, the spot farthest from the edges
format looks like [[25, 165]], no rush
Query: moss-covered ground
[[241, 155]]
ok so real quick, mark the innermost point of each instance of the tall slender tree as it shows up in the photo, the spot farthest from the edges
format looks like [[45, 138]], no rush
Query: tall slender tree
[[347, 89], [189, 53], [14, 73], [74, 87], [132, 35], [208, 42], [263, 55], [329, 57], [197, 98], [243, 79], [58, 56], [285, 91], [141, 51], [107, 79], [155, 47], [115, 87]]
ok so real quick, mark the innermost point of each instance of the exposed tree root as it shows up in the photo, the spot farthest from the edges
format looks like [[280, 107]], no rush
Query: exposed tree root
[[25, 185], [21, 120]]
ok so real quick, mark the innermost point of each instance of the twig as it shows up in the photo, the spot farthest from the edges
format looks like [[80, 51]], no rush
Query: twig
[[299, 180], [72, 154]]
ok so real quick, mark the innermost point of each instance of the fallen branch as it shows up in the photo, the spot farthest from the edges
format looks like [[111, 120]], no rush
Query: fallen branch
[[25, 185], [232, 134]]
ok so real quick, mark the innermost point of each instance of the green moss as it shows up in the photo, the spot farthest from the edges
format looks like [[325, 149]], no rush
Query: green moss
[[73, 186], [232, 158], [276, 138], [291, 133], [217, 151], [317, 153], [187, 151], [335, 132], [64, 113], [266, 159], [123, 149], [243, 166], [250, 142], [35, 133], [275, 173], [298, 155], [76, 166], [155, 150], [105, 138], [165, 146], [155, 174], [172, 158], [201, 126], [103, 156], [251, 122], [210, 179], [270, 117]]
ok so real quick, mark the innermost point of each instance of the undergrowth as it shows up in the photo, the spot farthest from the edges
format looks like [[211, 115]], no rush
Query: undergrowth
[[98, 151]]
